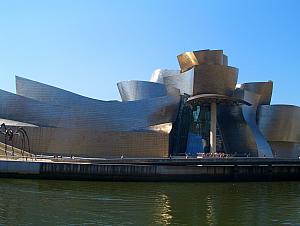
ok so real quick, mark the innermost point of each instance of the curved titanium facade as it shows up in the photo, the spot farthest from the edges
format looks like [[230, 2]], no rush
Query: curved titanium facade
[[62, 122], [93, 143], [264, 89], [188, 60], [280, 122], [87, 113], [159, 74], [237, 135], [184, 82], [249, 113], [280, 125], [53, 95], [214, 79], [139, 90], [113, 128], [8, 122], [285, 149]]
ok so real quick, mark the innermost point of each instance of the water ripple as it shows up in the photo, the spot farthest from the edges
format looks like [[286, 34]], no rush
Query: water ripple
[[42, 202]]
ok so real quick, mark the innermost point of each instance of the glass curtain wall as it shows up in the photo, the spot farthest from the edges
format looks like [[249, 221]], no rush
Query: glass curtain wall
[[199, 132], [198, 136]]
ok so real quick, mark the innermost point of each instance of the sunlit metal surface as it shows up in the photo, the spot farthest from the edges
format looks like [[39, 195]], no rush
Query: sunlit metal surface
[[164, 128], [280, 122], [139, 90], [90, 142], [8, 122], [150, 109], [210, 57], [53, 95], [184, 82], [264, 89], [280, 125], [225, 60], [216, 79], [188, 60], [237, 135], [159, 74], [249, 113], [50, 106]]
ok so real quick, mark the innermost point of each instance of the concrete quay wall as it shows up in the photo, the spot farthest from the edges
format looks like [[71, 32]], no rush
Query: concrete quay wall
[[142, 172]]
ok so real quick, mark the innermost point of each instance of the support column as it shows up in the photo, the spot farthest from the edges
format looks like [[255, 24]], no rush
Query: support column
[[213, 127]]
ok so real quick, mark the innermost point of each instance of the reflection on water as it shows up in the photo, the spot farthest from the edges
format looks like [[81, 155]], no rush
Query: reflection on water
[[210, 216], [165, 216], [42, 202]]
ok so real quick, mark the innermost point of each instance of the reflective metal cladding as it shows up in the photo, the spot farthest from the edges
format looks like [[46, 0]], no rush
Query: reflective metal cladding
[[139, 90], [211, 72], [264, 89], [184, 82], [155, 117], [237, 134], [50, 106], [280, 124], [256, 93], [249, 113], [159, 74], [114, 128], [216, 79], [90, 142], [188, 60]]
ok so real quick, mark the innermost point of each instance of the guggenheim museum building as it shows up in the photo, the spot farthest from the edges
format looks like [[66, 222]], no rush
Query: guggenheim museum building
[[197, 109]]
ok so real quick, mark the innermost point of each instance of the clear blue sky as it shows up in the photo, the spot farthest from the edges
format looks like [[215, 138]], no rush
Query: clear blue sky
[[88, 46]]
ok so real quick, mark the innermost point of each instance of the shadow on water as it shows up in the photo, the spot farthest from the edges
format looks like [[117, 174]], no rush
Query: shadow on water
[[42, 202]]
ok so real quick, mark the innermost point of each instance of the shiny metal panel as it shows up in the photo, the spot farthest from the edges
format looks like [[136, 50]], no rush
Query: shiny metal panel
[[74, 111], [285, 149], [159, 74], [53, 95], [8, 122], [279, 122], [249, 113], [210, 57], [144, 119], [163, 128], [225, 60], [139, 90], [236, 133], [188, 60], [94, 143], [264, 89], [214, 79], [184, 82]]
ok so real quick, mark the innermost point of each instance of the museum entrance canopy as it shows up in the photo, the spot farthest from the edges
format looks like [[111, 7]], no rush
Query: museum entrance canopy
[[216, 98]]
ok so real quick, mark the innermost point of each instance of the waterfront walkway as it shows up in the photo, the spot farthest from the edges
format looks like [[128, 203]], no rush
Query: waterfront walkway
[[19, 164], [210, 169]]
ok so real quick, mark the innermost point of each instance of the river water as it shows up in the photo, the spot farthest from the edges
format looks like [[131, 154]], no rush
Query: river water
[[50, 202]]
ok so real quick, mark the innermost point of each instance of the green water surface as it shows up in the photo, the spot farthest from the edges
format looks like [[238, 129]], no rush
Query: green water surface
[[49, 202]]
